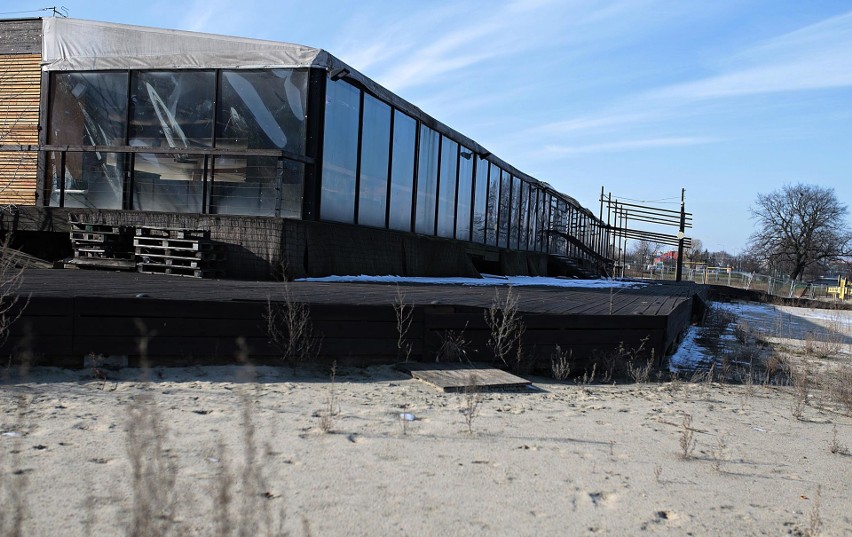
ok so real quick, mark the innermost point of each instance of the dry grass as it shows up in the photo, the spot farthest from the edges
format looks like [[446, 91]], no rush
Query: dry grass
[[331, 410], [453, 347], [560, 363], [687, 437]]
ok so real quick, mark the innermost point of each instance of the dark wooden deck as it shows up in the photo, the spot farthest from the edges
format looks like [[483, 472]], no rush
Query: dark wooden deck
[[72, 313]]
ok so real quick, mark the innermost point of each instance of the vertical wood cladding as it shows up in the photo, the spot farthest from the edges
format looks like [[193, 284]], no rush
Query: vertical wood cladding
[[20, 87]]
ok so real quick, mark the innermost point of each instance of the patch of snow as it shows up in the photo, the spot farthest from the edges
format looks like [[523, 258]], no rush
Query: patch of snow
[[689, 354]]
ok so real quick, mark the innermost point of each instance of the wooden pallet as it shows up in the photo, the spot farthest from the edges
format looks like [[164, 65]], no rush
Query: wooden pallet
[[101, 245], [190, 272], [173, 244], [172, 233], [177, 251]]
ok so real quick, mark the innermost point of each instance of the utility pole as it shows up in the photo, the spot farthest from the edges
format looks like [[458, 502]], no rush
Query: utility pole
[[680, 236]]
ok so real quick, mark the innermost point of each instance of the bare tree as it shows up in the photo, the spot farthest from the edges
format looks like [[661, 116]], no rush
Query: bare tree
[[643, 252], [799, 225]]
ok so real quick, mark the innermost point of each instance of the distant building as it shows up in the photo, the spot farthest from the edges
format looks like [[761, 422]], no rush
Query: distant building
[[290, 157], [666, 257]]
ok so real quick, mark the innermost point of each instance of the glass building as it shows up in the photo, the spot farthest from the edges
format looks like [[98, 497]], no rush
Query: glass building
[[152, 120]]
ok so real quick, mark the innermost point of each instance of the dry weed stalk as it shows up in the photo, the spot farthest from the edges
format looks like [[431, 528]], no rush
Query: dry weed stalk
[[471, 400], [289, 326], [802, 379], [815, 519], [720, 452], [835, 446], [403, 313], [153, 471], [560, 363], [331, 411], [687, 437], [507, 329], [255, 516]]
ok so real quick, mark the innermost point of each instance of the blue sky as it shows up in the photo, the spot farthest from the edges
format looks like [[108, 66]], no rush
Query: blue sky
[[726, 99]]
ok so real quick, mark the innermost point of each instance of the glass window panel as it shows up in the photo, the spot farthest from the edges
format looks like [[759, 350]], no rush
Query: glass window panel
[[533, 237], [560, 243], [375, 140], [464, 193], [505, 209], [165, 183], [88, 108], [516, 213], [93, 179], [479, 200], [543, 210], [340, 152], [251, 186], [170, 109], [447, 188], [427, 181], [262, 109], [402, 171], [523, 224], [492, 218]]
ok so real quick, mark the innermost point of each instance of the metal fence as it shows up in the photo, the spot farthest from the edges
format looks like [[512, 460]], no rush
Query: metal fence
[[772, 285]]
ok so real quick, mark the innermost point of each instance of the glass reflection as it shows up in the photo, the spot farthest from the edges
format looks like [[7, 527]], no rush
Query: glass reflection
[[464, 193], [89, 109], [375, 140], [480, 198], [340, 152], [447, 188], [427, 181], [262, 110], [402, 171]]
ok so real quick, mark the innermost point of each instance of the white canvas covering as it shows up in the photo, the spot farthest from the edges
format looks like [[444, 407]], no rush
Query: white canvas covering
[[82, 45]]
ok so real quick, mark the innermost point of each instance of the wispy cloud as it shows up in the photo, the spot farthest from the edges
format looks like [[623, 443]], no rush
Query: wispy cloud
[[626, 145], [818, 56]]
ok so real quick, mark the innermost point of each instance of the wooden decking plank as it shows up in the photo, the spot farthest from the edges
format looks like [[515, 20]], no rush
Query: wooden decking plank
[[452, 377]]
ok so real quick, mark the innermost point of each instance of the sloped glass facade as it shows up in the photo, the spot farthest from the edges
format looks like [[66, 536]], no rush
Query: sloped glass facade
[[238, 141]]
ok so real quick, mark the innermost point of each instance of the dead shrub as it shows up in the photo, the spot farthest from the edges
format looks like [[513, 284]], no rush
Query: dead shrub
[[289, 326], [403, 312], [506, 329], [471, 400]]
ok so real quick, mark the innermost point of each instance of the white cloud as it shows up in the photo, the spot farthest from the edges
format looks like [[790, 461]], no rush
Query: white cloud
[[818, 56], [626, 145]]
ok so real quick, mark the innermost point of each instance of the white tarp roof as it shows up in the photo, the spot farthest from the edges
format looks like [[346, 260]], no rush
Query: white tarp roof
[[82, 45]]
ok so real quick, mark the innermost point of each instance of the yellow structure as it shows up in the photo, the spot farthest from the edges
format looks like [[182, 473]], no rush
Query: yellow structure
[[841, 290]]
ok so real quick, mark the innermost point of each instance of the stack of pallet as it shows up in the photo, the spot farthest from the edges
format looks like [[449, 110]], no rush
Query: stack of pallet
[[102, 246], [177, 251]]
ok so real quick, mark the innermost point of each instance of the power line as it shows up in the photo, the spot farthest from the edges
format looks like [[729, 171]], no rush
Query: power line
[[61, 11]]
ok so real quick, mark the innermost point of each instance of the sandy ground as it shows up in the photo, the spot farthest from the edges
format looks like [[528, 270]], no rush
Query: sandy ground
[[561, 460]]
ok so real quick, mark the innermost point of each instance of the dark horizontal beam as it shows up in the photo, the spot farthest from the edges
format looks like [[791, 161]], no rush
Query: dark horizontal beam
[[212, 151]]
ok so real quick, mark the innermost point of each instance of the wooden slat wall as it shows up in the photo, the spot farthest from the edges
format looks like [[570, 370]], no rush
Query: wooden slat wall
[[20, 87]]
